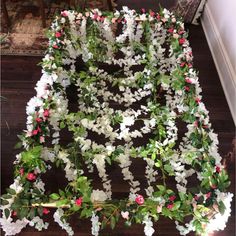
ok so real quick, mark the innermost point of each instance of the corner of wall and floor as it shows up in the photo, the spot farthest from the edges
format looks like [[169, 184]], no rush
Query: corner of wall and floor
[[220, 32]]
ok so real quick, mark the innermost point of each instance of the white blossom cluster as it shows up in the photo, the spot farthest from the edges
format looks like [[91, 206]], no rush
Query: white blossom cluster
[[62, 222], [95, 224]]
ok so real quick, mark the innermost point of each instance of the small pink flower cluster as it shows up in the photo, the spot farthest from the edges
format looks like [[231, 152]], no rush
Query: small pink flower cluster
[[39, 123]]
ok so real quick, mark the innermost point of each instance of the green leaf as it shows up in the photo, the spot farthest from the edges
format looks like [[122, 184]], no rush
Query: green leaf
[[61, 193], [62, 125], [4, 202], [40, 211], [161, 188], [113, 222], [54, 196], [176, 205], [61, 202], [168, 168], [158, 163], [221, 207], [32, 213], [11, 191], [154, 155], [18, 145], [23, 212], [7, 213], [6, 196]]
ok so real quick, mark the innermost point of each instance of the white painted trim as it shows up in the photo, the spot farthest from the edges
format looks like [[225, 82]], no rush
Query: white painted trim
[[223, 64]]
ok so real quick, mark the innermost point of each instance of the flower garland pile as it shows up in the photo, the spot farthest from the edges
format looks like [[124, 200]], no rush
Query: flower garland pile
[[164, 91]]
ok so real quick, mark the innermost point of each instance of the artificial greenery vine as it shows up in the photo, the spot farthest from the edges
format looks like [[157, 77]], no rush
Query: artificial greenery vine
[[155, 82]]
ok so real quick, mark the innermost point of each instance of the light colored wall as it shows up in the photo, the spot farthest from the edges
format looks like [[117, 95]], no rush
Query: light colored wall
[[219, 24]]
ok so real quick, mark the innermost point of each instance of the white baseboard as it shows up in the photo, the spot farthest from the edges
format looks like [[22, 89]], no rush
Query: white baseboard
[[223, 64]]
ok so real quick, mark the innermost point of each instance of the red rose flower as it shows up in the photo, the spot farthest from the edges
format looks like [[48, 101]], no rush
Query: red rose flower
[[170, 206], [172, 198], [35, 132], [152, 13], [218, 169], [182, 64], [46, 113], [39, 120], [171, 30], [14, 213], [79, 201], [182, 41], [139, 200], [55, 46], [186, 88], [57, 34], [31, 176], [45, 211]]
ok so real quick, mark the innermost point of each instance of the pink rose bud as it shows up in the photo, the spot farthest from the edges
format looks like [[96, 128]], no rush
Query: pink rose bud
[[14, 213], [64, 13], [35, 132], [182, 64], [181, 40], [57, 34], [143, 10], [186, 88], [188, 80], [55, 46], [172, 198], [218, 169], [21, 171], [152, 13], [79, 201], [95, 16], [45, 211], [139, 200], [198, 100], [46, 113], [38, 120], [41, 139], [170, 206], [31, 176], [171, 30]]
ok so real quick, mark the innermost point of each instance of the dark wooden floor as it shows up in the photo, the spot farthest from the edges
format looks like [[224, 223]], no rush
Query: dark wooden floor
[[19, 76]]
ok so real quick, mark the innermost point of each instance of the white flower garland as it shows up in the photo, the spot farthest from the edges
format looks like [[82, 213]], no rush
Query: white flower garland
[[167, 70]]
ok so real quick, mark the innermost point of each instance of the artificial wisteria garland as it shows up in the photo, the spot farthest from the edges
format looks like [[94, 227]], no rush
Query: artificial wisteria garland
[[156, 84]]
